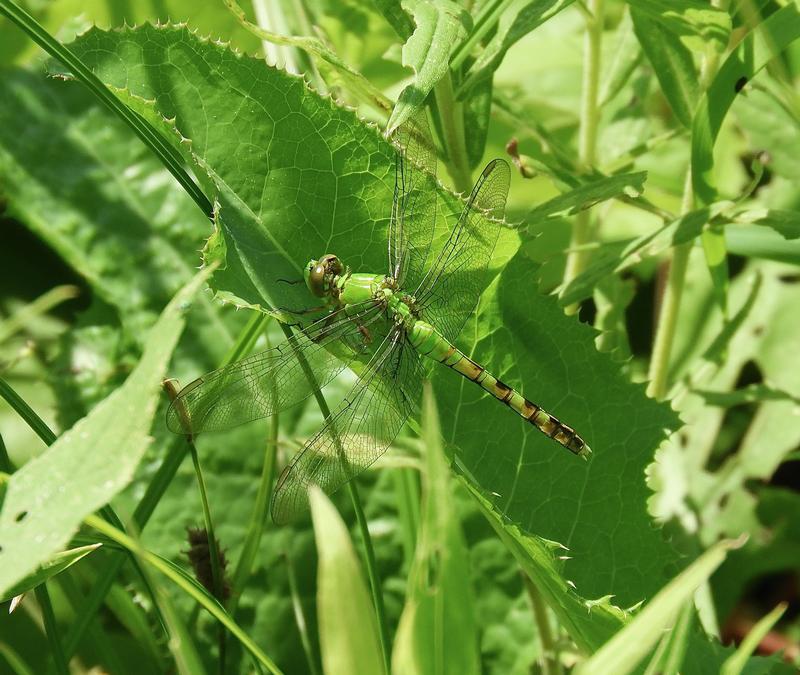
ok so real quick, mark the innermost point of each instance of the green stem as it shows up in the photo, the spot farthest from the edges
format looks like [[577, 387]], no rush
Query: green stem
[[51, 629], [151, 138], [300, 618], [550, 662], [676, 268], [213, 549], [451, 117], [27, 413], [260, 512], [372, 568], [670, 306], [587, 135]]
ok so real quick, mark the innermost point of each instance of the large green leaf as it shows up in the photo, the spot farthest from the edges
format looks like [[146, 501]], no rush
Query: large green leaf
[[589, 622], [49, 496], [596, 509], [298, 176], [295, 175], [622, 653]]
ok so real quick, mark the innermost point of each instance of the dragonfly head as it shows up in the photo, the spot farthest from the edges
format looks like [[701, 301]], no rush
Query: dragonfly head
[[320, 274]]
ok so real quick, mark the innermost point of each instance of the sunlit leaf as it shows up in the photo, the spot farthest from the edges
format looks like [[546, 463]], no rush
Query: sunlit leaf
[[348, 630]]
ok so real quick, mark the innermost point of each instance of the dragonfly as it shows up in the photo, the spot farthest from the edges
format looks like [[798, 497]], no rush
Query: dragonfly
[[385, 326]]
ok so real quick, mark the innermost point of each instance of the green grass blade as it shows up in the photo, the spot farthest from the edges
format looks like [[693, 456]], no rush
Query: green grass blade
[[348, 630], [57, 564], [672, 63], [736, 663]]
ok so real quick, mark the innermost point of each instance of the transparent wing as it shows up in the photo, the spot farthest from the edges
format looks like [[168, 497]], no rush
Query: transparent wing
[[358, 433], [414, 206], [450, 290], [263, 383]]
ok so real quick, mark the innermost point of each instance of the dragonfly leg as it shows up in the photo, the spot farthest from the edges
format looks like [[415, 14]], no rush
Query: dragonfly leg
[[365, 333]]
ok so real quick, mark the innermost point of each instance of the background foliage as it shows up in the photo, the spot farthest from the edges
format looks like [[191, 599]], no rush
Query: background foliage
[[645, 290]]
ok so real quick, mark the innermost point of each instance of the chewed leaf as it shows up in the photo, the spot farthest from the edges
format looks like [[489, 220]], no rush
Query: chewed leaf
[[440, 25], [527, 342]]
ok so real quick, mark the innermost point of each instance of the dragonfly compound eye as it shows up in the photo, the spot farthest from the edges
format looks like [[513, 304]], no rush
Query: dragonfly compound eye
[[315, 279], [332, 263]]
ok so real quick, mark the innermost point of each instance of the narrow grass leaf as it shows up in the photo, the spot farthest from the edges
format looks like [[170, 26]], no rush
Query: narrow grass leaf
[[737, 662], [587, 195], [622, 653], [49, 496], [437, 634], [348, 631], [696, 23], [57, 564], [672, 64]]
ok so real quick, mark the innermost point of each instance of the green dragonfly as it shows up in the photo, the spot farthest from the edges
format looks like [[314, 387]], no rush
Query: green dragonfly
[[392, 322]]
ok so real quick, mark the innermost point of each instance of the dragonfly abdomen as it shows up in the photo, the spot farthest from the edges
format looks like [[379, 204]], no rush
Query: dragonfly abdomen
[[431, 344]]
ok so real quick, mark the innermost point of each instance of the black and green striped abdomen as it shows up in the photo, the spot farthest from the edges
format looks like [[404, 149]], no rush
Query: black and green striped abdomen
[[430, 343]]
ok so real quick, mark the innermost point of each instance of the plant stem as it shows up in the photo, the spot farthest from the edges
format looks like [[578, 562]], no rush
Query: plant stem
[[550, 662], [676, 271], [587, 134], [372, 568], [451, 116], [51, 629], [213, 549], [300, 618], [260, 512]]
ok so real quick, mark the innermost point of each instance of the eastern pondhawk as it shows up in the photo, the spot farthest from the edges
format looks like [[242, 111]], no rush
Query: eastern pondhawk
[[388, 320]]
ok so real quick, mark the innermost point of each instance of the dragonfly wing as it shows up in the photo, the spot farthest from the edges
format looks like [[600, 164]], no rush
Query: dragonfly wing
[[450, 290], [263, 383], [414, 207], [358, 432]]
